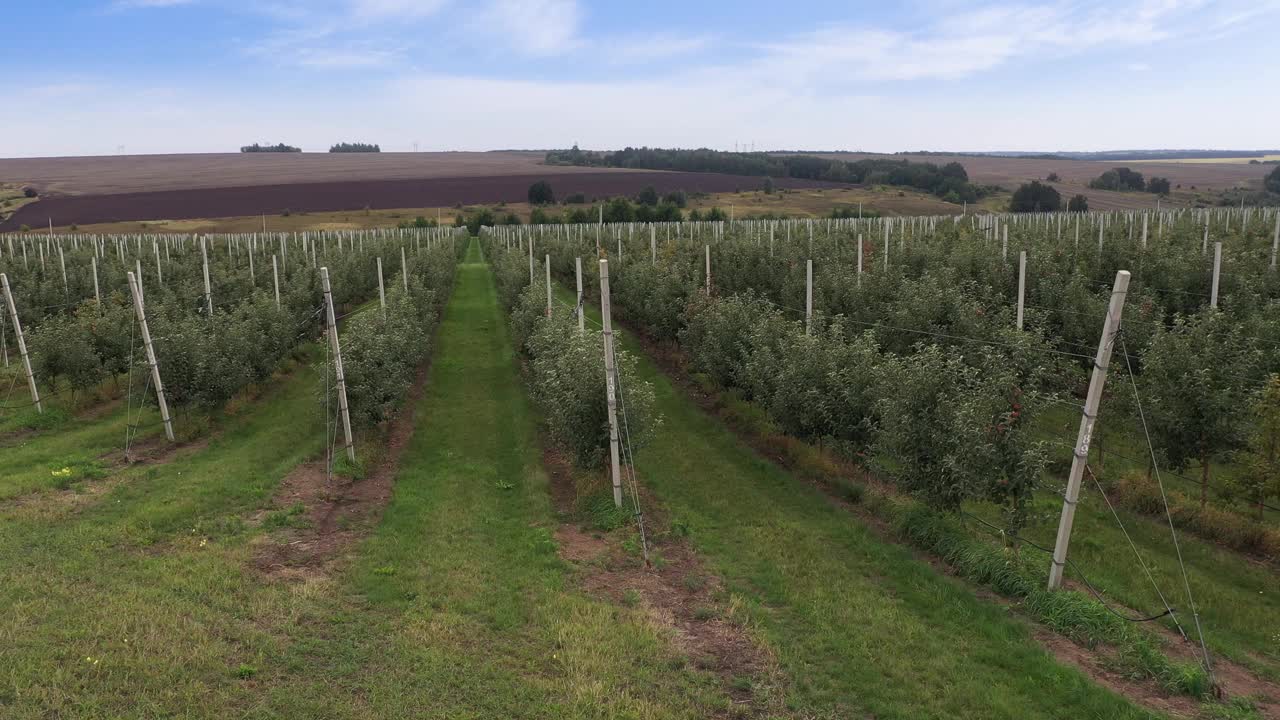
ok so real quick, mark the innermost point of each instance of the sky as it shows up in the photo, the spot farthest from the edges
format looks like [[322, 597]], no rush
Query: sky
[[101, 77]]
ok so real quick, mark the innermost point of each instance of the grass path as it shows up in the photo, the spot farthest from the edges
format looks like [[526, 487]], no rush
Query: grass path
[[862, 627], [459, 604]]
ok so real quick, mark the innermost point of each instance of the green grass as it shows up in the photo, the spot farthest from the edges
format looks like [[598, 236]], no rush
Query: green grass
[[140, 602], [861, 626], [1237, 597]]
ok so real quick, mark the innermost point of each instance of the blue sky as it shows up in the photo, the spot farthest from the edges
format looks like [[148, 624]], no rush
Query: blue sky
[[90, 76]]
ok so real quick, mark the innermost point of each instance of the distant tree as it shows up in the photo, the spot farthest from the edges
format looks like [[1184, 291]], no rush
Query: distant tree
[[619, 210], [1053, 177], [540, 193], [677, 198], [511, 219], [1158, 185], [648, 196], [1272, 183], [768, 186], [955, 171], [280, 148], [24, 228], [354, 148], [30, 191], [1079, 203], [1035, 197], [576, 199], [1120, 179], [715, 214]]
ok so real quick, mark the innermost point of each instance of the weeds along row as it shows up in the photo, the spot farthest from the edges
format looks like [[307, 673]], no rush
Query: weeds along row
[[223, 311]]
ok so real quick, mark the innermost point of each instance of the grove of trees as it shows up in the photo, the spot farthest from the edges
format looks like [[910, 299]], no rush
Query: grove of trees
[[354, 148], [1035, 197], [278, 148]]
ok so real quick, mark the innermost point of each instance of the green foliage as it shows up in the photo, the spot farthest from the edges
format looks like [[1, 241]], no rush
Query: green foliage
[[1195, 404], [1120, 179], [929, 177], [1158, 185], [280, 148], [354, 148], [540, 193], [1035, 197], [1261, 458], [1078, 203], [1272, 181]]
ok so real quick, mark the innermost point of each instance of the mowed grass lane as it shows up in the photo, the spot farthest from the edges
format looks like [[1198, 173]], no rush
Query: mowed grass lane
[[459, 606], [862, 627]]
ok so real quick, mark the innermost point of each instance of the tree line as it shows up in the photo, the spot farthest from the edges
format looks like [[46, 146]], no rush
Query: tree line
[[949, 182], [278, 148]]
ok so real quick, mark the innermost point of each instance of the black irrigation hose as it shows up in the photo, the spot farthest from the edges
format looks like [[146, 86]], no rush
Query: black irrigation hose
[[1097, 595]]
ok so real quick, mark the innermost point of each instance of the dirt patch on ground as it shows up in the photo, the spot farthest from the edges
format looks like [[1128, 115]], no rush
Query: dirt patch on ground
[[675, 591], [333, 511], [153, 450]]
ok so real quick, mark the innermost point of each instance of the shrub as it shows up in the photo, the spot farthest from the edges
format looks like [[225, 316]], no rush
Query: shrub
[[540, 193]]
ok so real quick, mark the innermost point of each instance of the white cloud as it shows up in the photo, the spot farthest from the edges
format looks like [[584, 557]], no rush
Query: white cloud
[[968, 42], [649, 48], [535, 27]]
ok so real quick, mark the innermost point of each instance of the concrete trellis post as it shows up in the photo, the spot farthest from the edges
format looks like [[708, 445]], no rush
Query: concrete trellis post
[[404, 270], [1022, 284], [275, 276], [1080, 457], [135, 285], [859, 260], [208, 292], [708, 247], [611, 383], [1217, 274], [332, 326], [582, 322], [62, 260], [808, 297], [547, 263], [97, 294], [1275, 242], [382, 291], [1144, 231], [22, 343]]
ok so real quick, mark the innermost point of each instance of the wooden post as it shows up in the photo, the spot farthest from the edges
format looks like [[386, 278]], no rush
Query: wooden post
[[582, 324], [1022, 284], [1110, 328], [138, 268], [275, 275], [22, 343], [337, 364], [1217, 274], [610, 381], [135, 286]]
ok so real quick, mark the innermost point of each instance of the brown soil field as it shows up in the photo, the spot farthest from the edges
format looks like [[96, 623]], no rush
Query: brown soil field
[[109, 174], [357, 195], [795, 203], [1204, 178]]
